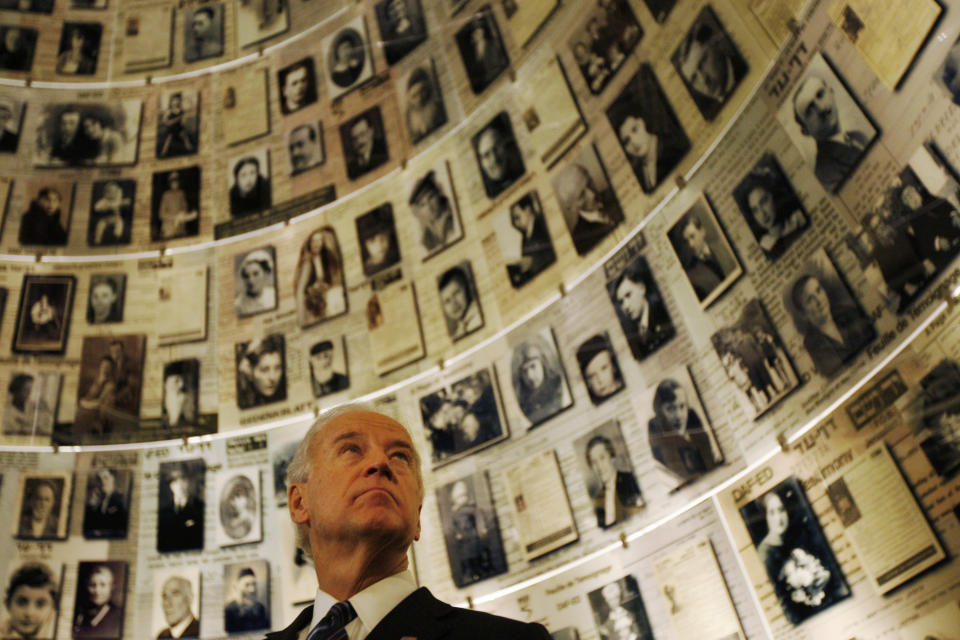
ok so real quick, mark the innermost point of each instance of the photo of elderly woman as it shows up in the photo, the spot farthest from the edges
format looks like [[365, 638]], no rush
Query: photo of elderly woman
[[608, 474], [250, 190], [261, 372], [771, 207], [239, 521], [98, 608], [318, 284], [793, 549], [539, 379], [32, 599]]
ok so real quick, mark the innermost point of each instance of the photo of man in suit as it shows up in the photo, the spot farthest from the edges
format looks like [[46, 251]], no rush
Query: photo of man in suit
[[589, 204], [364, 143], [640, 308], [679, 438], [612, 486], [324, 378], [40, 513], [356, 506], [181, 507], [176, 598], [498, 155]]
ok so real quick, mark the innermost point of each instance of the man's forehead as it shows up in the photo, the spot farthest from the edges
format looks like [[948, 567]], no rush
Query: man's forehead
[[356, 424]]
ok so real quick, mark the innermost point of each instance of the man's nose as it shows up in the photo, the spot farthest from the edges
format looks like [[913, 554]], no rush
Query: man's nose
[[380, 463]]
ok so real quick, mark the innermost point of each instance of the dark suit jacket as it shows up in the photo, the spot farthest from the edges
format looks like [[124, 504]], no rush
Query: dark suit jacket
[[181, 531], [423, 617], [192, 631]]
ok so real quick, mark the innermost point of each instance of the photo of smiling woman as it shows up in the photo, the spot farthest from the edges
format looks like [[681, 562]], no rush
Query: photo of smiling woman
[[261, 372], [32, 599]]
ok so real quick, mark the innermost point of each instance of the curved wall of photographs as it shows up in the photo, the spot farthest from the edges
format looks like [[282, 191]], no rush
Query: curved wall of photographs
[[665, 294]]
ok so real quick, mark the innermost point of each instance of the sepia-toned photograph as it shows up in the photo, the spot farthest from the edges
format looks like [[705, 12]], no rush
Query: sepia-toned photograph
[[482, 50], [771, 207], [259, 20], [459, 301], [640, 308], [377, 235], [108, 391], [393, 322], [462, 418], [111, 212], [702, 248], [243, 110], [364, 143], [79, 48], [175, 204], [524, 239], [755, 361], [937, 428], [203, 32], [261, 371], [105, 302], [608, 474], [589, 203], [181, 323], [100, 600], [46, 222], [146, 37], [648, 129], [422, 101], [298, 85], [328, 367], [178, 123], [11, 122], [549, 111], [181, 393], [32, 401], [180, 506], [471, 530], [246, 596], [255, 282], [249, 178], [539, 380], [106, 505], [176, 602], [498, 155], [90, 134], [239, 520], [619, 612], [305, 144], [833, 325], [602, 43], [794, 550], [599, 367], [43, 505], [434, 205], [403, 27], [43, 315], [17, 46], [38, 584], [318, 285], [347, 58]]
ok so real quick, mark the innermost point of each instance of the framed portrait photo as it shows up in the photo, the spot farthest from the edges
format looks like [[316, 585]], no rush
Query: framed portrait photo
[[178, 123], [524, 239], [109, 388], [261, 371], [538, 379], [100, 600], [599, 367], [43, 315], [203, 32], [433, 203], [305, 144], [347, 58], [471, 530], [46, 221], [33, 398], [640, 307], [460, 301], [239, 508], [106, 511], [88, 134], [43, 505], [771, 207], [601, 44], [246, 596], [403, 27], [175, 200], [180, 506], [481, 49], [704, 252], [258, 21], [608, 474], [105, 300], [33, 577], [111, 213]]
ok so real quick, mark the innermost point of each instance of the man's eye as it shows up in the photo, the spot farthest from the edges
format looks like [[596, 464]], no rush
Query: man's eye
[[403, 455]]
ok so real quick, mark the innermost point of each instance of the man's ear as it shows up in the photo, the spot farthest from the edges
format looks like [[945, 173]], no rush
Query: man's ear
[[296, 504]]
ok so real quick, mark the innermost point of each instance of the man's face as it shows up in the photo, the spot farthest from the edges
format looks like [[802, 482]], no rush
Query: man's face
[[814, 302], [479, 41], [50, 202], [705, 68], [364, 482], [601, 376], [522, 217], [268, 373], [180, 488], [459, 495], [175, 602], [582, 197], [295, 87], [301, 149], [602, 463], [255, 278], [761, 206], [696, 239], [69, 123], [816, 109], [632, 298], [418, 94], [323, 359], [42, 504], [247, 177], [200, 24], [674, 412], [173, 386], [99, 587], [635, 138], [93, 128], [493, 154], [911, 197], [454, 300], [247, 588], [102, 298], [362, 135], [112, 191], [11, 39], [344, 52], [533, 372], [378, 245], [428, 207]]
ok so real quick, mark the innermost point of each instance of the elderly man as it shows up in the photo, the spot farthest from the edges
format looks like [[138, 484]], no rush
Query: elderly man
[[97, 616], [355, 492], [175, 601], [364, 144], [245, 612], [498, 155], [591, 213], [305, 150]]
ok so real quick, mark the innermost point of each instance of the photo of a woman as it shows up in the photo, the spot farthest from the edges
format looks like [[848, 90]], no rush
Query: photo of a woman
[[261, 377], [771, 207], [319, 278], [240, 509], [31, 600]]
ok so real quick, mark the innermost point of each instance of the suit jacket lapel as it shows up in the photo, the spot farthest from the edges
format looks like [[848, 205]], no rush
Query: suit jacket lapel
[[419, 616], [291, 632]]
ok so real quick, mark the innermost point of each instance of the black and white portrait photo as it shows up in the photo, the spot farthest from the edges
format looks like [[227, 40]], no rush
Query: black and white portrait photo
[[619, 611], [105, 301], [377, 235], [589, 203], [203, 32], [106, 504], [261, 371], [176, 603], [175, 204], [305, 144], [938, 425], [238, 510], [481, 49], [471, 530], [43, 315], [347, 58], [498, 155], [755, 360], [108, 391], [825, 313], [648, 129], [259, 20], [318, 285], [608, 474], [771, 207], [602, 43], [462, 418], [249, 176], [524, 239], [17, 45], [422, 97], [599, 367], [180, 506], [459, 301], [11, 117], [181, 393], [434, 205], [178, 123], [31, 405], [794, 550], [111, 212], [100, 600], [538, 378], [678, 430], [298, 85], [32, 600], [255, 281], [328, 367], [640, 308], [709, 64], [43, 505], [79, 48], [704, 252], [246, 596], [827, 124], [98, 134], [364, 143], [402, 27], [46, 222]]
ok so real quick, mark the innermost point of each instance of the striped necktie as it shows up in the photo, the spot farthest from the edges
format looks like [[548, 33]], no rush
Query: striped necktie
[[331, 626]]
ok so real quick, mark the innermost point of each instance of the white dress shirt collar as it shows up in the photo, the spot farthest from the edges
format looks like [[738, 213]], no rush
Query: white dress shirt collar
[[372, 604]]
